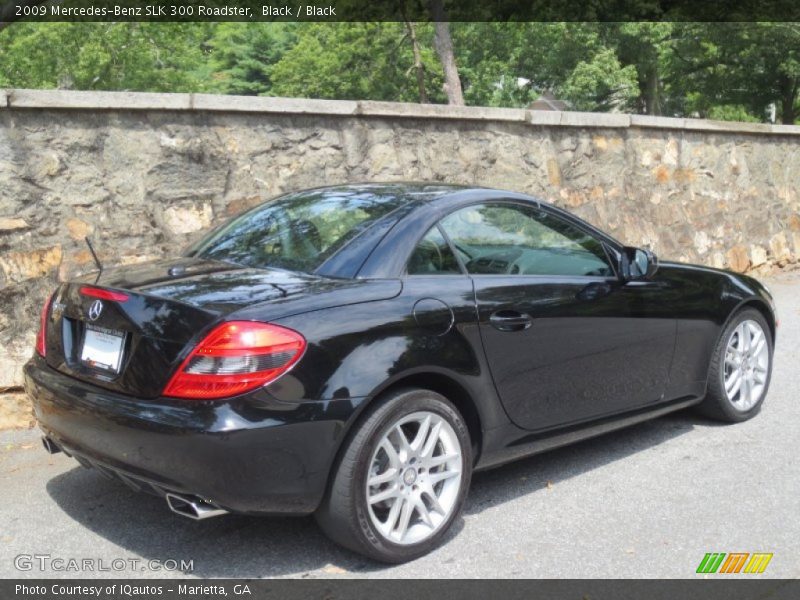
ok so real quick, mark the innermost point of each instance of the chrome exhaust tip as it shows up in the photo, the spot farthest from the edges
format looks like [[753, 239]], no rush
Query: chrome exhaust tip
[[50, 445], [193, 507]]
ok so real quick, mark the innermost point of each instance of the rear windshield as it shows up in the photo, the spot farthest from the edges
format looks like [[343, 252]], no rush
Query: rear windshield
[[298, 232]]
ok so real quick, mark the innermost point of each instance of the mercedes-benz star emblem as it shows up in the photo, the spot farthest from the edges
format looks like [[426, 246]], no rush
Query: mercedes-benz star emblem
[[94, 310]]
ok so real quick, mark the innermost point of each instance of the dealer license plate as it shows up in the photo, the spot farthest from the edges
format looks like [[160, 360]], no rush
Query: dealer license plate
[[102, 349]]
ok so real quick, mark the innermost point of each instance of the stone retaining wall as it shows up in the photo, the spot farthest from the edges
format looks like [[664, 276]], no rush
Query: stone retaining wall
[[144, 174]]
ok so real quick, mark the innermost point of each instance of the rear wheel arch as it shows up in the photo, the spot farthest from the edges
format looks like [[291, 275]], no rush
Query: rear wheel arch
[[346, 511], [440, 383], [451, 389]]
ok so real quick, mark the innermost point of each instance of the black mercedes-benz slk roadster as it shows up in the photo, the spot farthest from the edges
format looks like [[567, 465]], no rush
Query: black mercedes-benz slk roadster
[[356, 352]]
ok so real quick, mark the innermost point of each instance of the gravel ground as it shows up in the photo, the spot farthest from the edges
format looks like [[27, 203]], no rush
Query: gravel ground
[[648, 501]]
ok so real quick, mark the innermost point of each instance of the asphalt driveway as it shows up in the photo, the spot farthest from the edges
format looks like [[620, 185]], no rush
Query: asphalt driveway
[[648, 501]]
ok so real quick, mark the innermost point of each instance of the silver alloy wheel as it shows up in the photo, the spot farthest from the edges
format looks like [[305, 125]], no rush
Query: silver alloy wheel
[[746, 365], [414, 478]]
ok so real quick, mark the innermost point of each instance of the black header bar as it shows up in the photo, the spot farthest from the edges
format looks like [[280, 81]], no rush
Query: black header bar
[[397, 10]]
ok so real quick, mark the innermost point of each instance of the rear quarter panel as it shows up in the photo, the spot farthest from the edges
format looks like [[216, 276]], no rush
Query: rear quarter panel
[[359, 350]]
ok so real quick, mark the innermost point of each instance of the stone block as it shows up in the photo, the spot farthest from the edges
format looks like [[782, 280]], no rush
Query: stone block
[[18, 266], [67, 99]]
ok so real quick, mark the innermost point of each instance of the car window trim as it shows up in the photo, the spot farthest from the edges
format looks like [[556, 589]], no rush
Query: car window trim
[[452, 247], [587, 278], [613, 261], [462, 269]]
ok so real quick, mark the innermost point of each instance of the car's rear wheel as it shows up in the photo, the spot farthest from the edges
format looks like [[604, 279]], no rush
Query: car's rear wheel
[[402, 478], [741, 368]]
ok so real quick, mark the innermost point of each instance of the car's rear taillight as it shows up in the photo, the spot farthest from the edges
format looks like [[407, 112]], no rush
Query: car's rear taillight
[[103, 294], [236, 357], [41, 336]]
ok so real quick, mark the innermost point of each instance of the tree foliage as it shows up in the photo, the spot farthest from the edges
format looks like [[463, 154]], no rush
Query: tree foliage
[[745, 67], [737, 71], [242, 58], [355, 61], [159, 57]]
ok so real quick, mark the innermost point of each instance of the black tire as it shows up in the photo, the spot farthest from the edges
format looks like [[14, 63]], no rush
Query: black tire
[[343, 514], [716, 404]]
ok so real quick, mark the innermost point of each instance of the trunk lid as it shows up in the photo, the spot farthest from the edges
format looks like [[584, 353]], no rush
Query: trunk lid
[[170, 305]]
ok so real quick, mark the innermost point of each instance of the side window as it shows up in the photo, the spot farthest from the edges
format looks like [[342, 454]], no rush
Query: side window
[[433, 256], [516, 240]]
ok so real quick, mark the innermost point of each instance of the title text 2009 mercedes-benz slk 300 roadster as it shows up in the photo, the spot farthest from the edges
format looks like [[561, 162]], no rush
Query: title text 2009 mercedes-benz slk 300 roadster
[[356, 351]]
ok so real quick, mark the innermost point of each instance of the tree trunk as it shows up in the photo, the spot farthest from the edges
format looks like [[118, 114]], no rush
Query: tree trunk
[[787, 112], [418, 66], [788, 100], [444, 48], [652, 97]]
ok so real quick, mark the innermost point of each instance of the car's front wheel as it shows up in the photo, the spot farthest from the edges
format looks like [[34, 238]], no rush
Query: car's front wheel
[[741, 368], [402, 478]]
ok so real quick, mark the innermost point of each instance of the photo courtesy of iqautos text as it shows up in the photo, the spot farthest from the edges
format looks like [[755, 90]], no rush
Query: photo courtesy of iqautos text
[[404, 291]]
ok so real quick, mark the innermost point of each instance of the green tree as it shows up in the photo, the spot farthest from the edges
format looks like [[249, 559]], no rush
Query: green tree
[[244, 54], [372, 61], [725, 68], [646, 47], [491, 61], [736, 71], [601, 83], [510, 64], [160, 57]]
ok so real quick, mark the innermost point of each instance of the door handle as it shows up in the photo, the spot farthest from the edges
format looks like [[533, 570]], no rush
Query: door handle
[[510, 320], [644, 283]]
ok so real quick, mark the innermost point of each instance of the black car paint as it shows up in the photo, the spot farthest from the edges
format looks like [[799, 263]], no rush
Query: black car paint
[[271, 451], [250, 454]]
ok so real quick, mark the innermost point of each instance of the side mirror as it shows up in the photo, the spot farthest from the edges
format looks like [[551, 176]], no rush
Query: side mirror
[[637, 264]]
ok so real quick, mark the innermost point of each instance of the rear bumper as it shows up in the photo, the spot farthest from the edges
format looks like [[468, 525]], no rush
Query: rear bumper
[[251, 454]]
